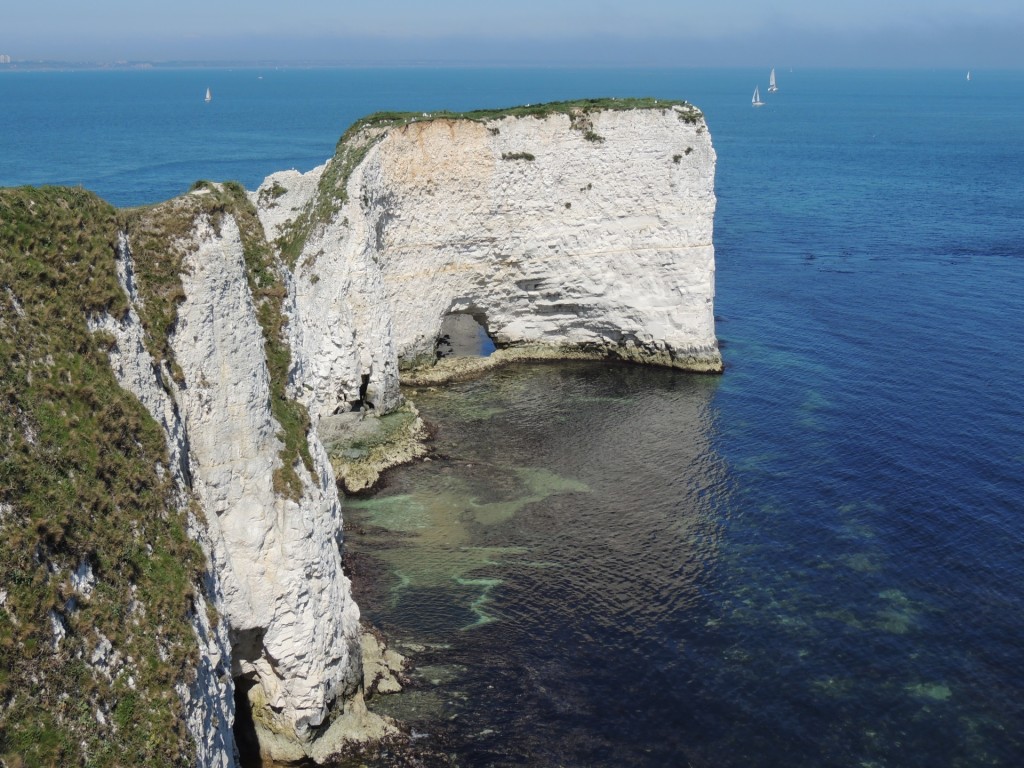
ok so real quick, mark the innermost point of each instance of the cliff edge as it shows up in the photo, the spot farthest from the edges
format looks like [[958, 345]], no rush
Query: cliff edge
[[579, 229], [170, 371]]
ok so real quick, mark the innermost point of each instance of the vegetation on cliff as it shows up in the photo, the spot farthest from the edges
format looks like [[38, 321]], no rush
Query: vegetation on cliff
[[160, 237], [688, 112], [363, 134], [97, 575], [331, 192]]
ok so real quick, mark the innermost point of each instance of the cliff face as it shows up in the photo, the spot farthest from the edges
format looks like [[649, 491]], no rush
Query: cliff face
[[240, 325], [209, 709], [573, 234], [274, 549], [293, 626]]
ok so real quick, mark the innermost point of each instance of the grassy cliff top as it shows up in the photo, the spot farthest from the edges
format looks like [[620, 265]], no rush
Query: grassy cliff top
[[87, 675], [689, 112], [353, 146]]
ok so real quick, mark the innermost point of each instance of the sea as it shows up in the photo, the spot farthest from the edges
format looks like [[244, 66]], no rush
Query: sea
[[814, 559]]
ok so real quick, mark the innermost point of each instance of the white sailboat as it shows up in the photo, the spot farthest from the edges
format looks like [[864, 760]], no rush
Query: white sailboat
[[968, 75], [756, 100], [772, 87], [209, 97]]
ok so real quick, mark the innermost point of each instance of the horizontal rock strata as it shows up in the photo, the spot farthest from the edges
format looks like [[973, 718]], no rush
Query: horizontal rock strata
[[576, 234]]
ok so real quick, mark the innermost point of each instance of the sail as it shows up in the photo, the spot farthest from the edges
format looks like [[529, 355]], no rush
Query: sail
[[209, 97], [756, 100], [772, 87]]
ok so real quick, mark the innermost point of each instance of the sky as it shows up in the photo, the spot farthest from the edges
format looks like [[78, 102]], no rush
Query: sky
[[912, 33]]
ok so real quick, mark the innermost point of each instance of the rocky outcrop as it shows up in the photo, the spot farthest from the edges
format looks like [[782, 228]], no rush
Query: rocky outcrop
[[581, 232], [577, 230], [294, 624], [275, 561]]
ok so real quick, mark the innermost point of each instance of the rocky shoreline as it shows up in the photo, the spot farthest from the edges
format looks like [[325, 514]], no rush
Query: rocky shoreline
[[462, 368], [362, 445]]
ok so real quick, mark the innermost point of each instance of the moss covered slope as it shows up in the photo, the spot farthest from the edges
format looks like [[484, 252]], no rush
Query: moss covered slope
[[97, 573], [160, 241]]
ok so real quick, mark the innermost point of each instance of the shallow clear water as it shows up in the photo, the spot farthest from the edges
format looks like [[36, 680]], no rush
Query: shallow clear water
[[553, 567], [597, 584], [814, 559]]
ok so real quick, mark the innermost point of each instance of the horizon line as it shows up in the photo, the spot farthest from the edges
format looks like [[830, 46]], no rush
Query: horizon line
[[23, 65]]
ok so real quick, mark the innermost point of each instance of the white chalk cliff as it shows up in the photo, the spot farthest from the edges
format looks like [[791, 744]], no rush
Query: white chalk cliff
[[583, 232], [586, 241]]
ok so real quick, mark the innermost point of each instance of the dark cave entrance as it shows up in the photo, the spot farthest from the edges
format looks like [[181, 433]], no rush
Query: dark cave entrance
[[245, 728], [464, 334]]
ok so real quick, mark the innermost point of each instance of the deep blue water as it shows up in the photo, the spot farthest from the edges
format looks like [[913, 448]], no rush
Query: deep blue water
[[815, 559]]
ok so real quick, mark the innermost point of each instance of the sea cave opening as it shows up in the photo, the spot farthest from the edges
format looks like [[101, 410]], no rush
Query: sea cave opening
[[464, 334]]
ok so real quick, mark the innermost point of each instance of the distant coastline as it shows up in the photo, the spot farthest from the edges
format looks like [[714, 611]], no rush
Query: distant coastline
[[91, 66], [127, 66], [54, 65]]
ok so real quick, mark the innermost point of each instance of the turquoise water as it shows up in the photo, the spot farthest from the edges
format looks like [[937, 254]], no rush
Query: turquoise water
[[815, 559]]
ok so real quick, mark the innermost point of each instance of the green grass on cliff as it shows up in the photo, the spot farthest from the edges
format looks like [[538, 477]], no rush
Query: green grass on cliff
[[84, 476], [83, 479], [157, 235], [689, 112], [331, 191]]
